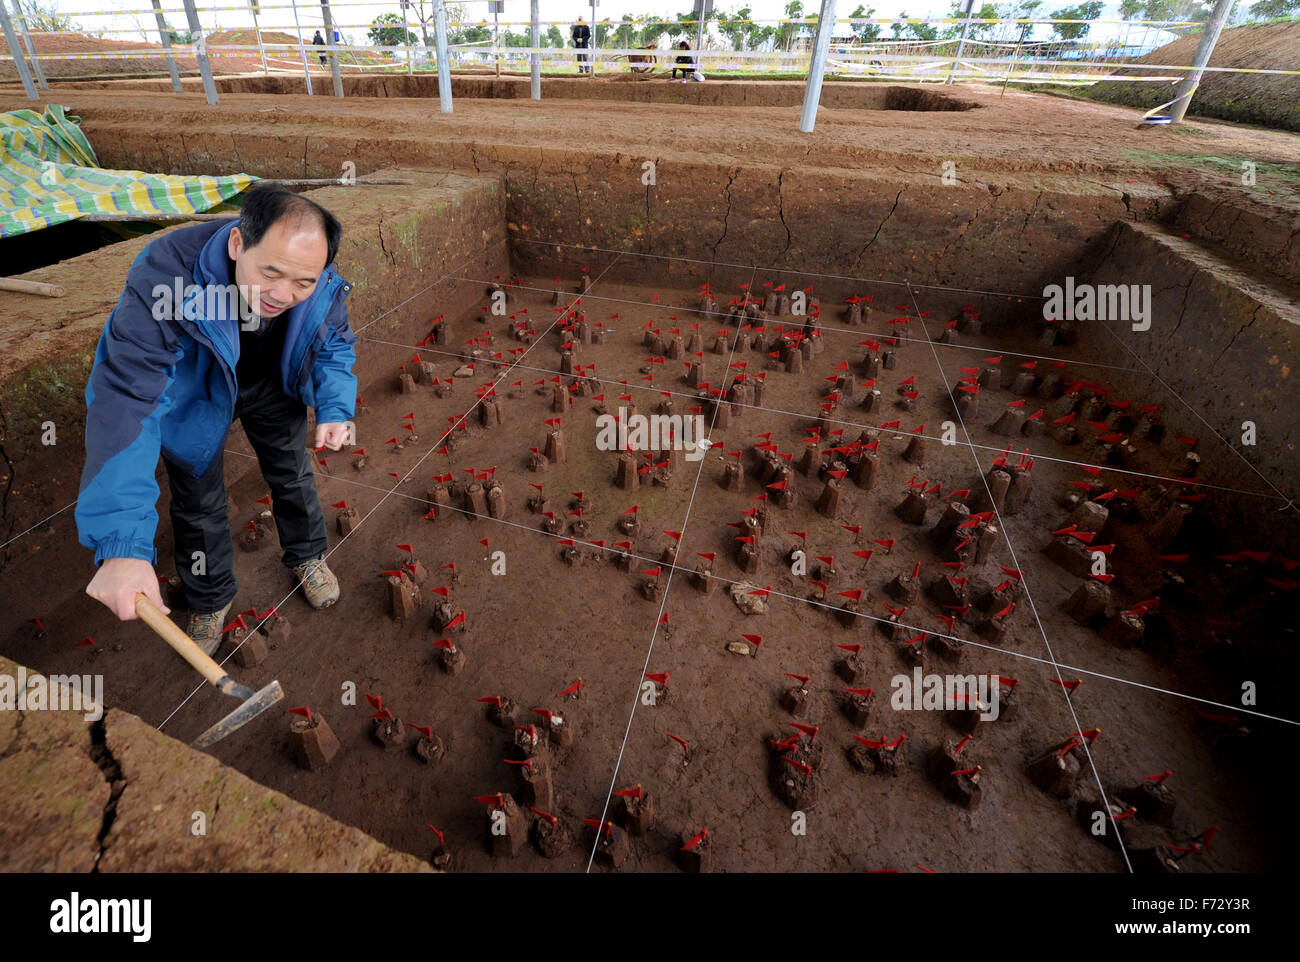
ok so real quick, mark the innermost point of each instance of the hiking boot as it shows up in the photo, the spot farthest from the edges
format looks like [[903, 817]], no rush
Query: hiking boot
[[205, 629], [318, 582]]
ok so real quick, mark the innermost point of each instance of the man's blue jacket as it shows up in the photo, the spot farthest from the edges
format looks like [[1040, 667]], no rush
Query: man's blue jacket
[[169, 383]]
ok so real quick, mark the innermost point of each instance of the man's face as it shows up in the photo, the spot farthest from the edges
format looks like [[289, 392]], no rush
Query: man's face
[[283, 268]]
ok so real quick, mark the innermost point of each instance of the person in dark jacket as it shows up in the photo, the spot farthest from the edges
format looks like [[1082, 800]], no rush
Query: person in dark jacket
[[319, 41], [226, 319], [686, 63], [582, 39]]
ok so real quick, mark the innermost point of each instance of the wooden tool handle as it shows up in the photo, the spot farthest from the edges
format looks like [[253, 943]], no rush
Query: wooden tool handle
[[171, 633], [30, 287]]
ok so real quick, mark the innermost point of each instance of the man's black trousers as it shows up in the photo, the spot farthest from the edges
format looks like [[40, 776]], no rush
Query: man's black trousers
[[276, 427]]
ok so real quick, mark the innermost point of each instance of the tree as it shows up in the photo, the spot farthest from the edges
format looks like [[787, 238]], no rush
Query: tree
[[1273, 9], [975, 31], [1090, 10], [386, 31], [456, 13], [1197, 11], [422, 12], [742, 35], [511, 39], [864, 32], [651, 32], [625, 32], [923, 31], [759, 35], [1019, 10], [553, 37], [786, 31], [734, 32], [683, 26], [912, 31], [43, 16], [473, 34]]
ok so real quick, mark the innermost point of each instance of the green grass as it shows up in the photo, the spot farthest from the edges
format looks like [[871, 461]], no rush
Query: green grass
[[1265, 173]]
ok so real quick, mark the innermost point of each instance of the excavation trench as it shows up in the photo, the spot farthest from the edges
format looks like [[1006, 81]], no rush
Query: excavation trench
[[918, 257]]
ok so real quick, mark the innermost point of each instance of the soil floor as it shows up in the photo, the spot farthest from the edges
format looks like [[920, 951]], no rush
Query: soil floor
[[534, 631], [541, 625]]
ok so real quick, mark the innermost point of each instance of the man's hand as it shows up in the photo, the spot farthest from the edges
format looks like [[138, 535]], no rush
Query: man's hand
[[119, 580], [331, 435]]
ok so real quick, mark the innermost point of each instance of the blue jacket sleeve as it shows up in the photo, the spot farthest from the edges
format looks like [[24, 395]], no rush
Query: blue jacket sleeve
[[135, 362], [333, 382]]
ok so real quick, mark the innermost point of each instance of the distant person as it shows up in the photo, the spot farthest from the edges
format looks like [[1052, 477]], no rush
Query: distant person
[[582, 40], [687, 65], [319, 41]]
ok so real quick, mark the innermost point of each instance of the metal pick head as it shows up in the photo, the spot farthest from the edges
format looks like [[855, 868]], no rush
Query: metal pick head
[[242, 715]]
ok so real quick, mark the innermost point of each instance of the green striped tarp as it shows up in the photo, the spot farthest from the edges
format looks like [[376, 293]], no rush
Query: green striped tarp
[[49, 175]]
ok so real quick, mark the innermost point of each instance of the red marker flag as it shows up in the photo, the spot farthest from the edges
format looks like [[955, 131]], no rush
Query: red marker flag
[[699, 837]]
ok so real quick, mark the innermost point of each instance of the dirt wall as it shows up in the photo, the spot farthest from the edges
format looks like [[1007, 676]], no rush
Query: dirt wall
[[1226, 343], [402, 248]]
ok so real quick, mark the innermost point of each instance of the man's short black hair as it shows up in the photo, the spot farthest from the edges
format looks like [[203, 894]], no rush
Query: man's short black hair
[[267, 203]]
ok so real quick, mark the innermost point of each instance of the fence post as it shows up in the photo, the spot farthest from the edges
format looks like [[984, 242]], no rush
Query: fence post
[[167, 45], [301, 52], [329, 42], [961, 41], [1209, 37], [257, 29], [31, 48], [19, 61], [406, 34], [444, 66], [201, 52], [812, 94], [535, 59]]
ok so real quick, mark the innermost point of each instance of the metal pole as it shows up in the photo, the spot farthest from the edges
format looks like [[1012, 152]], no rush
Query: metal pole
[[201, 52], [535, 60], [591, 46], [31, 49], [496, 39], [444, 67], [167, 45], [301, 52], [406, 41], [821, 47], [257, 29], [19, 60], [1014, 54], [1213, 27], [961, 42], [334, 57]]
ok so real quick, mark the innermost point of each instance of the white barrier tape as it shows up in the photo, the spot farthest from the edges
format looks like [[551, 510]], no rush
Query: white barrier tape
[[615, 24]]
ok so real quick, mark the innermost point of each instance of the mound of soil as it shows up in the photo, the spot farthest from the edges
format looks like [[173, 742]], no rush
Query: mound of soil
[[136, 61], [1264, 99]]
